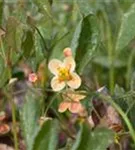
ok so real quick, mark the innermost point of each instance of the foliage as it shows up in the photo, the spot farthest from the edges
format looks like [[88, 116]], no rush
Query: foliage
[[100, 39]]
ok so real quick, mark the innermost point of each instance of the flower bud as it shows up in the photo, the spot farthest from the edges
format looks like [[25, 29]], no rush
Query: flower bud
[[67, 52], [32, 77]]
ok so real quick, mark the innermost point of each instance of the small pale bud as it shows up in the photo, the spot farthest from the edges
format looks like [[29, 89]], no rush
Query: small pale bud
[[67, 52], [33, 77]]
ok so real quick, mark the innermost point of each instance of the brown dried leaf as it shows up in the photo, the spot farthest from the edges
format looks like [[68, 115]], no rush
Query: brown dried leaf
[[104, 114]]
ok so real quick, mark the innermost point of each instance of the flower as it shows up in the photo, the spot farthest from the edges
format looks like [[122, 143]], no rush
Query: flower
[[67, 52], [64, 74], [71, 102], [4, 128], [73, 107], [32, 77]]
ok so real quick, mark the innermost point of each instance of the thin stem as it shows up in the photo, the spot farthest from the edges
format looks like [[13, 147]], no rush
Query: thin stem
[[49, 105], [44, 42], [129, 68], [96, 113], [129, 94], [13, 111], [2, 50], [110, 53], [14, 125], [130, 107], [120, 146], [59, 40], [65, 126]]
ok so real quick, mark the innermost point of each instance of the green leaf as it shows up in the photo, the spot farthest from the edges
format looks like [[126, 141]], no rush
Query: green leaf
[[119, 92], [85, 7], [1, 11], [76, 37], [11, 29], [5, 76], [27, 44], [50, 2], [127, 29], [85, 41], [13, 40], [47, 137], [99, 139], [29, 117], [44, 7], [132, 84], [104, 61], [61, 43]]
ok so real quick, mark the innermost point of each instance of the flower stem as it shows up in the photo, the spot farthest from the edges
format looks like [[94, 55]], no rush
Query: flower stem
[[13, 111], [111, 55], [129, 68], [49, 105]]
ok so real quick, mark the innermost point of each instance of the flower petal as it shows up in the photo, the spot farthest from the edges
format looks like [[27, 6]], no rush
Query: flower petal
[[83, 112], [63, 106], [69, 63], [75, 82], [78, 97], [75, 107], [56, 84], [53, 66], [75, 95]]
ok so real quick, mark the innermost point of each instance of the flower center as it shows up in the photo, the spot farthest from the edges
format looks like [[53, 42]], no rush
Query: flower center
[[64, 74]]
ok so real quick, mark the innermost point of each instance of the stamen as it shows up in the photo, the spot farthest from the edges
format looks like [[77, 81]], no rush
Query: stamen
[[64, 74]]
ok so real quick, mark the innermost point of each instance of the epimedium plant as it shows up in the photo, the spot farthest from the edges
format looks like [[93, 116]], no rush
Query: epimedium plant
[[46, 56]]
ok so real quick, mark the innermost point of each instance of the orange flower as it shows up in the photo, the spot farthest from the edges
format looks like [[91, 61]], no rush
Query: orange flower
[[32, 77], [71, 102], [64, 74]]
